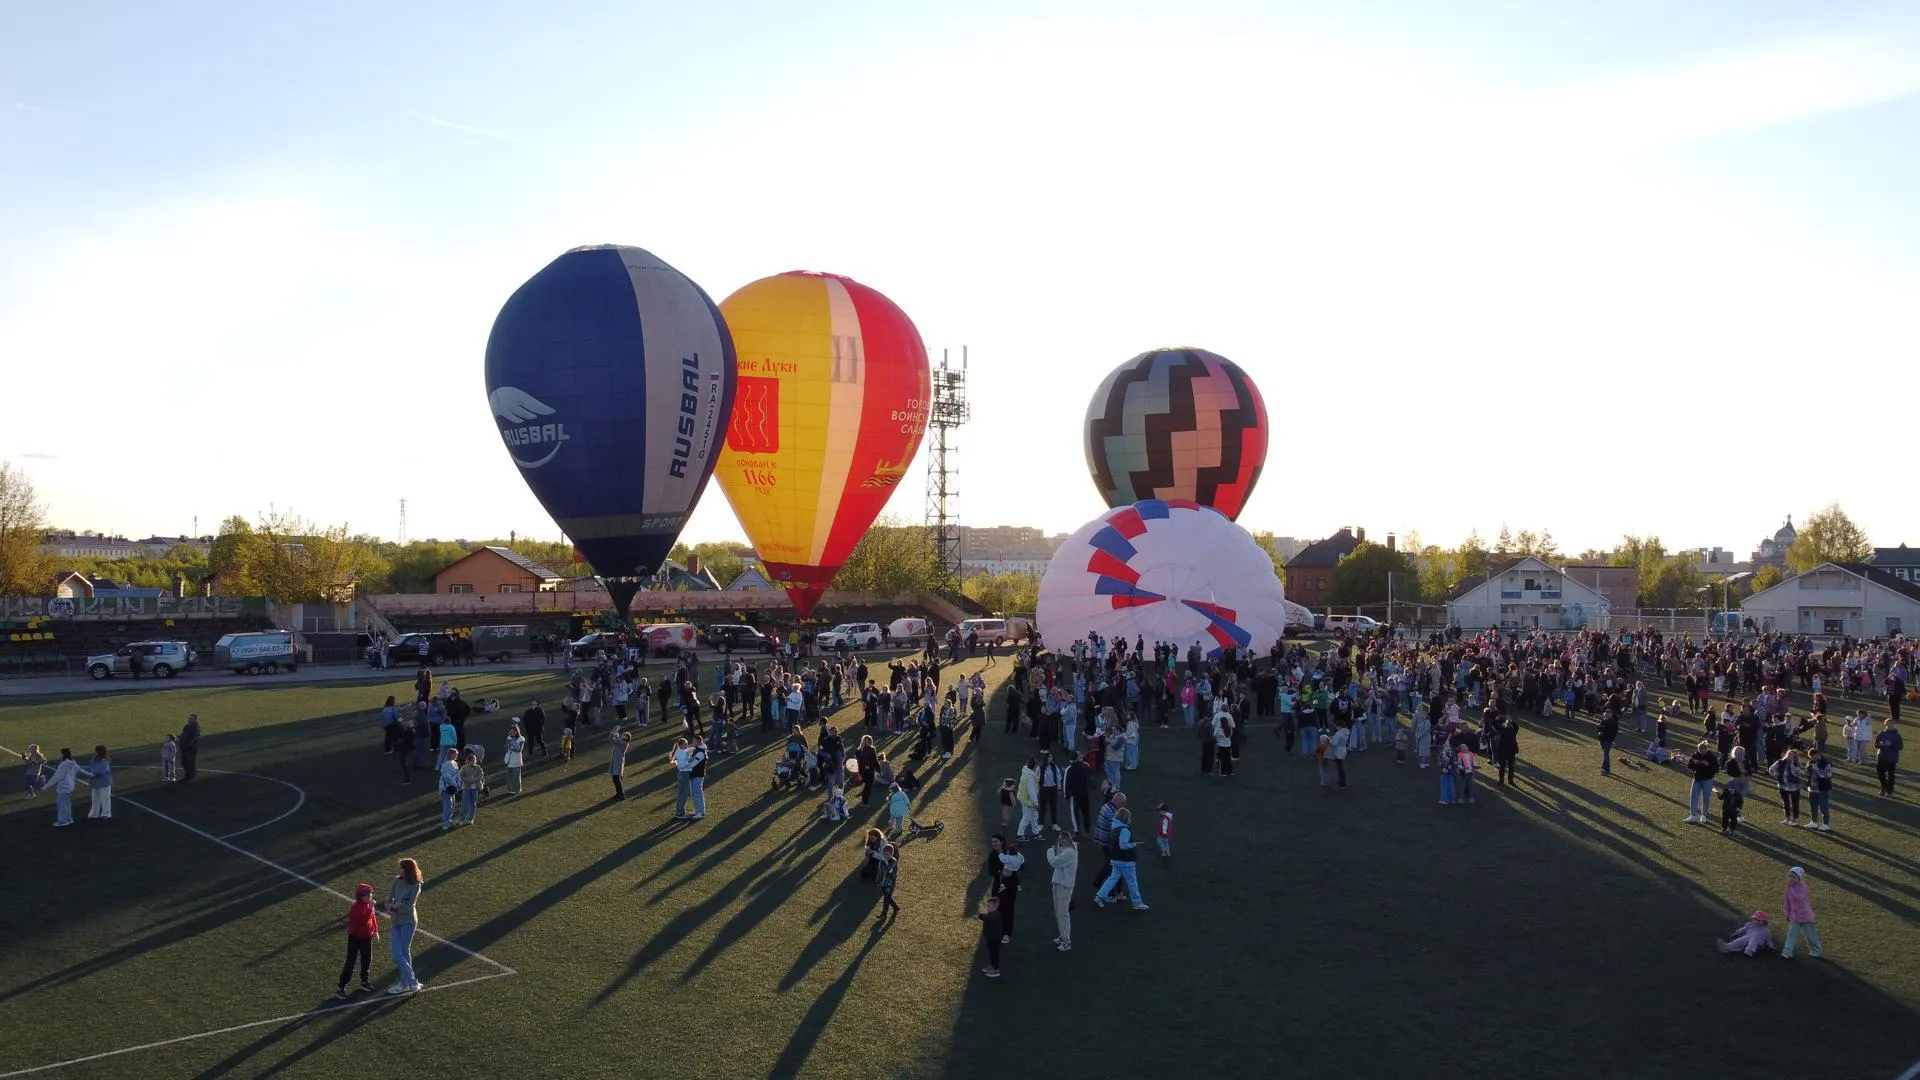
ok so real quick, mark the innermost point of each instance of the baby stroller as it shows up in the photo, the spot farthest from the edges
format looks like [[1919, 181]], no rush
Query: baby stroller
[[795, 771]]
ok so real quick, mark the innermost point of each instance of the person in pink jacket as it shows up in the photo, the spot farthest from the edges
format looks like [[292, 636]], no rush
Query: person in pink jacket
[[1799, 916]]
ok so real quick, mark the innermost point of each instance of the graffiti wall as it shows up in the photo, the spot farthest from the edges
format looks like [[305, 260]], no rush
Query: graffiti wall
[[169, 607]]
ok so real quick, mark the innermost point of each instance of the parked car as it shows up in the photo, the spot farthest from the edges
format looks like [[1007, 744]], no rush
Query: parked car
[[988, 632], [734, 637], [590, 646], [161, 659], [263, 652], [405, 649], [853, 635], [1362, 623], [497, 644]]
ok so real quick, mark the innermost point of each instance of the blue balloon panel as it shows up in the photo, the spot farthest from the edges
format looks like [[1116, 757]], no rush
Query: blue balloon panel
[[611, 377]]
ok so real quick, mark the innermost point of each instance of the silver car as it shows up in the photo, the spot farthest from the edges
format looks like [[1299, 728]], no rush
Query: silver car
[[161, 659]]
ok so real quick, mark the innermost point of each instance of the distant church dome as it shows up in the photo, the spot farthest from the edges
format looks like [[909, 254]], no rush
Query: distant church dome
[[1786, 535]]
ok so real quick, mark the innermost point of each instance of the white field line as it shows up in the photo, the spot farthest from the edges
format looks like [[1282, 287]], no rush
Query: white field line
[[500, 970], [1913, 1070], [377, 999]]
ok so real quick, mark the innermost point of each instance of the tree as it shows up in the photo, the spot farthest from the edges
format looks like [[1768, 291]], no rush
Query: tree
[[24, 568], [1766, 577], [1674, 581], [1473, 556], [1362, 576], [1828, 536], [716, 558], [230, 561], [893, 558], [1006, 592]]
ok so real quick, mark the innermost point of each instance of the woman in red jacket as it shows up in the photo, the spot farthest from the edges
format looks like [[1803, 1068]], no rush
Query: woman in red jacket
[[363, 926]]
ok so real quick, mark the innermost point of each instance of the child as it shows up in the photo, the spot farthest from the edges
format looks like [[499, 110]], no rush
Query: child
[[835, 808], [1006, 802], [1321, 751], [566, 744], [1402, 738], [169, 750], [1799, 916], [990, 935], [1730, 800], [36, 763], [889, 876], [1660, 733], [363, 927], [1448, 763], [898, 805], [1163, 832], [1752, 936]]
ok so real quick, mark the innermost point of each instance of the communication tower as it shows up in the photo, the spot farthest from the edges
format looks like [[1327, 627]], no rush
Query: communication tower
[[403, 523], [946, 411]]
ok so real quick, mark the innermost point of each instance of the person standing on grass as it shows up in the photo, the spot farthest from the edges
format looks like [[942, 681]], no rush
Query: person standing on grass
[[1820, 792], [64, 774], [1886, 761], [1786, 775], [403, 744], [697, 777], [534, 723], [990, 935], [682, 760], [100, 785], [363, 929], [1704, 766], [189, 748], [1608, 730], [1064, 858], [449, 787], [1799, 910], [472, 778], [620, 743], [1028, 795], [1079, 798], [888, 873], [403, 910], [36, 764], [389, 722], [515, 757], [1337, 748], [1224, 729]]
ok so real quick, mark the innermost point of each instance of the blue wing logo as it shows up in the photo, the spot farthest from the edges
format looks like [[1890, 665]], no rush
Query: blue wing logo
[[520, 413]]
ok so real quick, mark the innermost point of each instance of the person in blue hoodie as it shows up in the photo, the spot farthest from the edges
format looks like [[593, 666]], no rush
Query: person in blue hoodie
[[100, 784]]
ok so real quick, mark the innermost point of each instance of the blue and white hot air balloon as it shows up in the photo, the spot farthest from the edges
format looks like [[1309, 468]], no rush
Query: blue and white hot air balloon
[[611, 377]]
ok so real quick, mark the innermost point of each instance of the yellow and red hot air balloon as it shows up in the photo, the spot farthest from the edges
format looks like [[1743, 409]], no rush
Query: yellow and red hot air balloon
[[831, 406]]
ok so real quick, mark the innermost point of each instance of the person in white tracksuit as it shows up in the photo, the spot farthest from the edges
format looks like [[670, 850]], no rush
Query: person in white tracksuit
[[1028, 796], [62, 783]]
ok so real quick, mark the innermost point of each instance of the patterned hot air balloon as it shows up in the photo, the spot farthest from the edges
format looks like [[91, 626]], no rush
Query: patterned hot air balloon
[[833, 398], [1177, 424], [1163, 570], [611, 375]]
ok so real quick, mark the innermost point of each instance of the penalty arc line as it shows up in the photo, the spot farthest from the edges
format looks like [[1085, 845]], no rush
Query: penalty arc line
[[383, 999]]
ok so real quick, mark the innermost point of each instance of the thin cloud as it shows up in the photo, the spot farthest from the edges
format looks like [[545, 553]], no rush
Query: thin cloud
[[26, 106], [464, 129], [41, 457]]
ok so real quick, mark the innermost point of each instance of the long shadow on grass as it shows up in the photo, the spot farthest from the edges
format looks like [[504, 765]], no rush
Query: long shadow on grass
[[319, 1032], [1541, 899]]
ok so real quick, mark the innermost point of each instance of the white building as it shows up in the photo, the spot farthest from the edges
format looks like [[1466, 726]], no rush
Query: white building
[[1836, 599], [1026, 567], [1524, 594]]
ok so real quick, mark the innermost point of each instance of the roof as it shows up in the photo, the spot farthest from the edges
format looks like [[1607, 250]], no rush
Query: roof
[[1895, 556], [1880, 577], [1467, 584], [1327, 552], [1874, 574], [522, 562]]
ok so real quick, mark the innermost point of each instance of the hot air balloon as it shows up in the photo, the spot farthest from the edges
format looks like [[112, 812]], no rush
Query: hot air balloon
[[833, 402], [611, 375], [1163, 570], [1177, 424]]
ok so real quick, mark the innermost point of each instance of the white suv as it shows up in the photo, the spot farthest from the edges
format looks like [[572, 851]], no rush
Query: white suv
[[853, 635], [161, 659]]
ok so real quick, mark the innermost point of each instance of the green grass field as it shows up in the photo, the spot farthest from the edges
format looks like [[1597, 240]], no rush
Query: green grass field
[[1563, 929]]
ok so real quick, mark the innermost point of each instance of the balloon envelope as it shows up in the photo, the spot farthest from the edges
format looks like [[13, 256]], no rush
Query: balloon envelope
[[611, 377], [1177, 424], [833, 403], [1163, 570]]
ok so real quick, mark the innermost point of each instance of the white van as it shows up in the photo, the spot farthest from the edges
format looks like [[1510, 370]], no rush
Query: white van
[[908, 631], [990, 632], [1360, 623]]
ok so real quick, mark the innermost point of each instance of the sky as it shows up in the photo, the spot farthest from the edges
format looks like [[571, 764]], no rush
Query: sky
[[1635, 267]]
